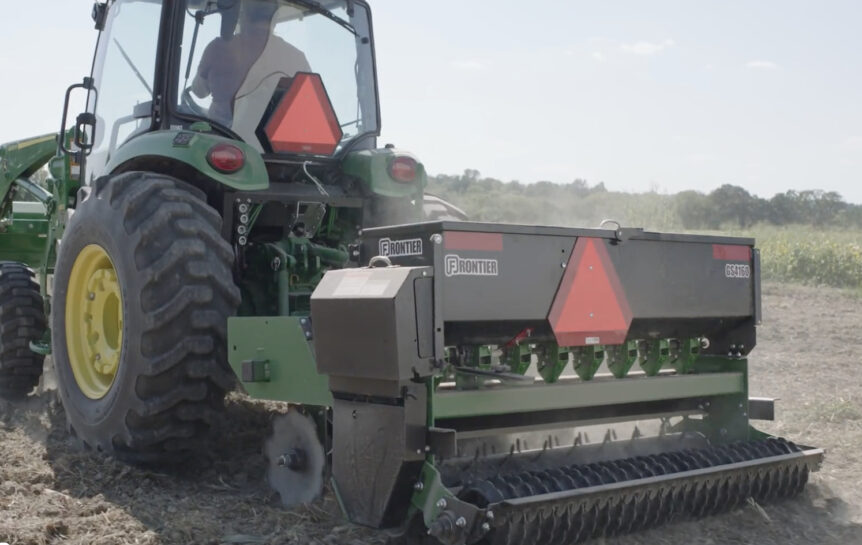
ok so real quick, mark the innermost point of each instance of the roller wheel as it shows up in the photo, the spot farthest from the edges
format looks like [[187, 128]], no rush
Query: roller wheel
[[143, 289], [22, 320]]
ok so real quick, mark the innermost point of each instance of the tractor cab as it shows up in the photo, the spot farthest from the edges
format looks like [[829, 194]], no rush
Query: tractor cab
[[294, 80]]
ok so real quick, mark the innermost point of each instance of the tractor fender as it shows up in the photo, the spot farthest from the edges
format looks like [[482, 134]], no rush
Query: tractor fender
[[372, 168], [188, 148]]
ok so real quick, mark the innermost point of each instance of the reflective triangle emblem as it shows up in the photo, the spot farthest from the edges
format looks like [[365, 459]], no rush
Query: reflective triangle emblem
[[304, 121], [590, 307]]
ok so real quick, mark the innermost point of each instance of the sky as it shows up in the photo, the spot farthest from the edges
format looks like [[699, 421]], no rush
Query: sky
[[662, 95]]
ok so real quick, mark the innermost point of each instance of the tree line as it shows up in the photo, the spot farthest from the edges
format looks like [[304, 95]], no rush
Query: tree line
[[580, 204]]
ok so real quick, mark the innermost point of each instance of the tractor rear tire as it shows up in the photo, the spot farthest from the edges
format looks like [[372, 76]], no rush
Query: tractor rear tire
[[22, 320], [143, 290]]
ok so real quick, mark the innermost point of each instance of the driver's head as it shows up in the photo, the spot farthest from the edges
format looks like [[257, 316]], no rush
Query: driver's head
[[259, 12]]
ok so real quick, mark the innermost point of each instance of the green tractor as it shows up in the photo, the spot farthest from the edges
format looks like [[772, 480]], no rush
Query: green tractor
[[227, 159], [220, 216]]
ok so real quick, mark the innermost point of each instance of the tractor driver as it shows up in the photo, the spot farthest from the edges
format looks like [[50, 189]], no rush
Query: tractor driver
[[242, 70]]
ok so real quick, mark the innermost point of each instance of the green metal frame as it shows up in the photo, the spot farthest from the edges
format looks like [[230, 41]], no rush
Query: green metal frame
[[720, 382], [573, 394], [428, 492], [26, 226], [283, 343], [22, 159], [24, 237]]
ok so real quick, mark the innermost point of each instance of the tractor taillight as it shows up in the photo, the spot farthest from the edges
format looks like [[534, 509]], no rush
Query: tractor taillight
[[226, 158], [403, 169]]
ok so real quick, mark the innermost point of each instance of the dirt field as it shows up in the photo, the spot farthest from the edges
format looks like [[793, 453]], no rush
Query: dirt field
[[808, 355]]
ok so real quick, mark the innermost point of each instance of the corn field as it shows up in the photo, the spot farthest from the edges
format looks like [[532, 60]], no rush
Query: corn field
[[810, 256]]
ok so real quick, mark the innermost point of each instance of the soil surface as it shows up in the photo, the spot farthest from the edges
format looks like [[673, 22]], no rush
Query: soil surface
[[51, 492]]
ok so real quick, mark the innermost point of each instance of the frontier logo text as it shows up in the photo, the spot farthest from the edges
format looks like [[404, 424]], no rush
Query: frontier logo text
[[460, 266], [400, 248]]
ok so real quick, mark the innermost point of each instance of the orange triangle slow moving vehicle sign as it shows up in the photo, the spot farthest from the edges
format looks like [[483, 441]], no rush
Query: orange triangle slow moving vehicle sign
[[304, 121], [590, 307]]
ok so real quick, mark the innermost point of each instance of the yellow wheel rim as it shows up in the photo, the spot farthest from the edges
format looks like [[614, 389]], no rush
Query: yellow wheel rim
[[94, 321]]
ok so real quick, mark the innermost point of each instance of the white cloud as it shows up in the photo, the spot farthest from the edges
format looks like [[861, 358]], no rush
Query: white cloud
[[853, 144], [762, 65], [701, 157], [852, 151], [598, 56], [468, 65], [644, 48]]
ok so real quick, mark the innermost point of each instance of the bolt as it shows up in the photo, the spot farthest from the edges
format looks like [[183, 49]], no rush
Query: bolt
[[592, 315], [91, 296], [308, 334], [243, 208], [427, 448], [591, 267], [294, 460], [419, 487], [98, 357], [303, 321], [563, 264], [740, 405], [243, 218], [461, 522], [242, 241], [489, 515], [419, 451], [441, 503], [486, 527]]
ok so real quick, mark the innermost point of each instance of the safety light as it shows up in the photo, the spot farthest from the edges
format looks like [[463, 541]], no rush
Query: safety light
[[403, 169], [226, 158]]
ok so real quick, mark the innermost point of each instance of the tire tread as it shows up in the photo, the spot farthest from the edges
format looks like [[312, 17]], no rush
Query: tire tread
[[22, 320], [183, 266]]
